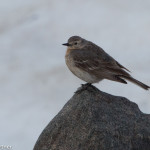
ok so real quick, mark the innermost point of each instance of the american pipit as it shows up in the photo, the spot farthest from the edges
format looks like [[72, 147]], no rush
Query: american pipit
[[92, 64]]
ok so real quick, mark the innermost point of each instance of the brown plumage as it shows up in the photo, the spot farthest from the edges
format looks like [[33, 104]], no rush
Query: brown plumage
[[92, 64]]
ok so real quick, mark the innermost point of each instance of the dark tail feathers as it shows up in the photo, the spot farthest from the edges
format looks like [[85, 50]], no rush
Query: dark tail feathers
[[131, 79]]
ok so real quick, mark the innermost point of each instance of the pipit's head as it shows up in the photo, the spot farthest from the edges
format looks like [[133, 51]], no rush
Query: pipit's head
[[75, 42]]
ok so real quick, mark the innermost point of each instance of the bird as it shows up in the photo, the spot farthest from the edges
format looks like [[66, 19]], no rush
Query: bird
[[92, 64]]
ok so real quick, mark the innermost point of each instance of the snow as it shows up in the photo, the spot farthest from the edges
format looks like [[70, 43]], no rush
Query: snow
[[34, 80]]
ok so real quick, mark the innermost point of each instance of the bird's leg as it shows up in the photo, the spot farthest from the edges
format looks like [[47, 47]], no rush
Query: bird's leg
[[84, 87]]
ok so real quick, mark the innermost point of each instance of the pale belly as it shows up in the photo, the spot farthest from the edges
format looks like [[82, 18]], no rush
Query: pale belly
[[83, 75]]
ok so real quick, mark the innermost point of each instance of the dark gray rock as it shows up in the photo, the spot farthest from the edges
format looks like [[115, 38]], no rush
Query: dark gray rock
[[94, 120]]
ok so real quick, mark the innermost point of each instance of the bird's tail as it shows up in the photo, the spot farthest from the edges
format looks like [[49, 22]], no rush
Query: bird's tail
[[131, 79]]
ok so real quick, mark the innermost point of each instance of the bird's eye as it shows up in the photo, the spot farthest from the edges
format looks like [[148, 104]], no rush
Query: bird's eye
[[75, 43]]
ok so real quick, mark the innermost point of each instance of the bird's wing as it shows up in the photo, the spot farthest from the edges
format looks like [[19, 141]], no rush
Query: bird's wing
[[96, 61], [86, 61]]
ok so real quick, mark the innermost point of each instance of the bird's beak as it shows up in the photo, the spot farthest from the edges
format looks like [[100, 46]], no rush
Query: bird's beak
[[66, 44]]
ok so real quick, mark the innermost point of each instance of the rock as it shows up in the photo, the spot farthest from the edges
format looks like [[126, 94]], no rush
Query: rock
[[94, 120]]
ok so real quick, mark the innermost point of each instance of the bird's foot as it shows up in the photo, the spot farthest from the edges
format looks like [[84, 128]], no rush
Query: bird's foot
[[84, 87]]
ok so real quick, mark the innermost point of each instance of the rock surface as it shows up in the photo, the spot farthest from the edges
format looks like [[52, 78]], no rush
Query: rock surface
[[94, 120]]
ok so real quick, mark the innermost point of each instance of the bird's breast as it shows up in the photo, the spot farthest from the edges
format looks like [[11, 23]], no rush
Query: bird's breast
[[83, 75]]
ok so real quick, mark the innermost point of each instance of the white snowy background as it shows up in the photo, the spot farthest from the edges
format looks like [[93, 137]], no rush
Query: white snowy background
[[34, 80]]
